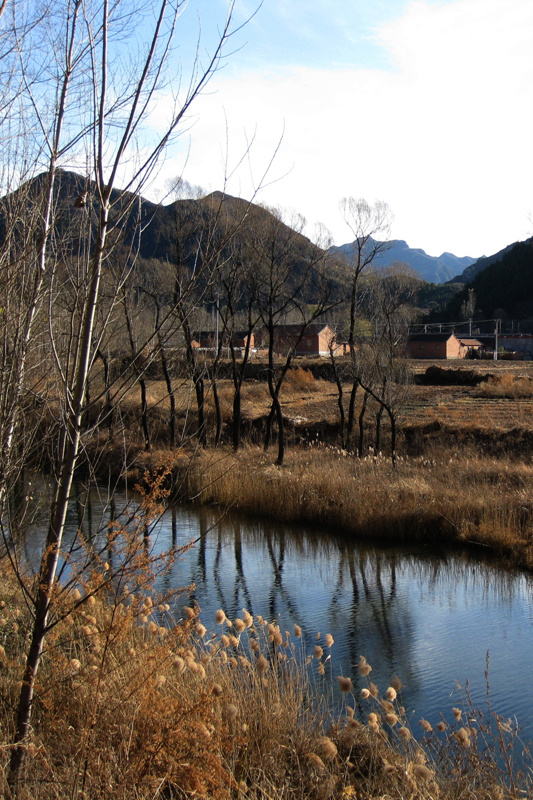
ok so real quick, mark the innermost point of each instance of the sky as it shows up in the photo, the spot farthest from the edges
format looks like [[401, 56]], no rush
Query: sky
[[426, 105]]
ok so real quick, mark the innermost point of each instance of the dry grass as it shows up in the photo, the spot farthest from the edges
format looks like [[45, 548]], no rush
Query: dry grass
[[132, 704], [457, 496]]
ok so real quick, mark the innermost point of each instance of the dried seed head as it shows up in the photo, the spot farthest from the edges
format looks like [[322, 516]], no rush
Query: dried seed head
[[315, 761], [318, 652], [345, 684], [298, 633], [261, 665], [321, 669], [373, 689], [329, 640], [391, 719], [74, 665], [463, 736], [404, 733], [441, 726], [457, 713], [327, 749], [388, 768], [396, 683], [220, 617], [350, 712], [179, 664], [426, 725], [159, 681], [247, 618], [422, 772], [365, 694], [224, 640], [364, 667], [190, 613], [239, 625], [201, 630], [390, 694]]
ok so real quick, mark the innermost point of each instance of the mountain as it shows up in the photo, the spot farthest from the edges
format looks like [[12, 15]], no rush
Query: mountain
[[503, 286], [468, 275], [434, 269]]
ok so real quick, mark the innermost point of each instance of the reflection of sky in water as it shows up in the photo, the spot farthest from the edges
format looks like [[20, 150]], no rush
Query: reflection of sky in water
[[429, 617]]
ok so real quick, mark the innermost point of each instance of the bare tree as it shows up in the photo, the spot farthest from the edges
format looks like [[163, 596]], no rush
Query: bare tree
[[366, 222], [83, 98]]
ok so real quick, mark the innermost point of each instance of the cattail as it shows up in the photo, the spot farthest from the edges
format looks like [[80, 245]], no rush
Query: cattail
[[233, 661], [153, 628], [350, 711], [239, 625], [390, 694], [327, 749], [298, 633], [441, 726], [404, 733], [87, 630], [159, 681], [224, 640], [74, 664], [201, 630], [345, 684], [318, 651], [329, 640], [426, 726], [391, 719], [373, 689], [373, 727], [363, 667], [224, 657], [254, 644], [91, 600], [247, 618], [190, 613], [365, 694], [278, 638], [220, 617], [75, 595], [234, 642], [321, 669], [457, 713]]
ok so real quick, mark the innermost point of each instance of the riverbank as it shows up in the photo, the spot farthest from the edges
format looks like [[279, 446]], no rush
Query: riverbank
[[454, 497]]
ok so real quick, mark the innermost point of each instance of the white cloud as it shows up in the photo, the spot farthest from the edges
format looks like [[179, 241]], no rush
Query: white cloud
[[445, 137]]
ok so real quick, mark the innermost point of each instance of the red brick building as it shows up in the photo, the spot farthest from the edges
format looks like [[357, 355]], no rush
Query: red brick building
[[440, 345]]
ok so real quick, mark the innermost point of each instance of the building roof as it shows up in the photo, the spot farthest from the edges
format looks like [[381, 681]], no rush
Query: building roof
[[431, 337], [469, 342], [313, 327]]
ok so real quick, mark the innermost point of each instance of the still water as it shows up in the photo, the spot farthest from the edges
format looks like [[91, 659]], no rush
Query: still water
[[429, 616]]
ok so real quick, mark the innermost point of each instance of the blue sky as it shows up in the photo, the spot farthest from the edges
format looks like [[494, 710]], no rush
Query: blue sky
[[426, 105]]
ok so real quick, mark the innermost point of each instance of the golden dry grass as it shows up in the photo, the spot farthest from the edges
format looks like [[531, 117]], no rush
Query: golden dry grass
[[133, 704]]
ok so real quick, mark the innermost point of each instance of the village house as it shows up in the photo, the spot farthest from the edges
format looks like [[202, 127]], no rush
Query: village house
[[441, 345], [316, 340]]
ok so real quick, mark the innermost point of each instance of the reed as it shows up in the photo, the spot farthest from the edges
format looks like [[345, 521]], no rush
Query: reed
[[134, 703]]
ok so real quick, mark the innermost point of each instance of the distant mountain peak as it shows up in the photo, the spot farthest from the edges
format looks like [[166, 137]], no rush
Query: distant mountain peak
[[434, 269]]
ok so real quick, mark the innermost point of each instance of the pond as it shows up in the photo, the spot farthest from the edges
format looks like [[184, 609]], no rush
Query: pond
[[431, 616]]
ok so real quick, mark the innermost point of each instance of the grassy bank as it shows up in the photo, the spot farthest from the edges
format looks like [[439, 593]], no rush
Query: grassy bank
[[452, 497], [132, 705]]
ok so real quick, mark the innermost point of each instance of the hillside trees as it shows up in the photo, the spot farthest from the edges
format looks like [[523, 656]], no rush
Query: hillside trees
[[83, 94]]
